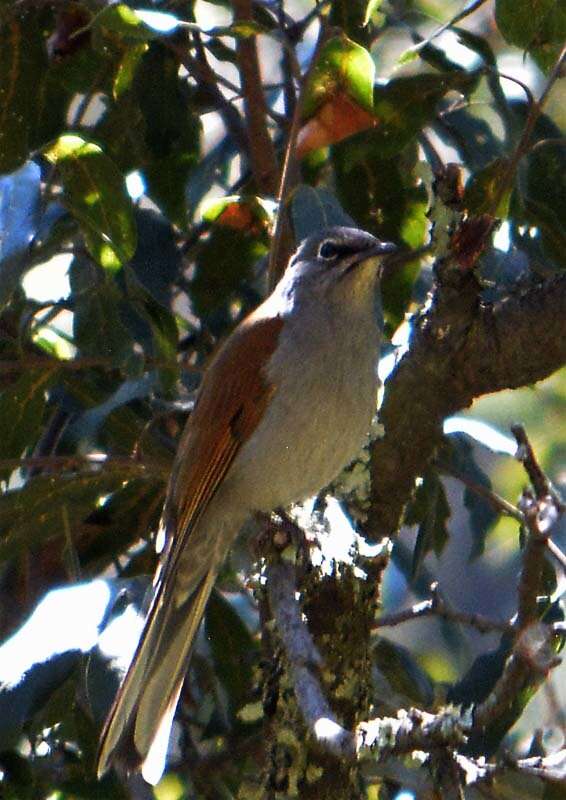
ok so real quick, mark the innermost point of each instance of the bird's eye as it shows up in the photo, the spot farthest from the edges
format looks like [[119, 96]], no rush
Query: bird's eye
[[329, 249]]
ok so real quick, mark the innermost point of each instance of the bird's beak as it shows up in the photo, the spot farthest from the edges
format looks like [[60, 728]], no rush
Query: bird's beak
[[378, 250], [397, 257], [382, 249]]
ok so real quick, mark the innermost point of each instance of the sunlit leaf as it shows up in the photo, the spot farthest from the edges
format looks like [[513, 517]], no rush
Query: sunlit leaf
[[121, 20], [127, 68], [371, 7], [242, 29], [342, 67], [95, 194], [483, 191]]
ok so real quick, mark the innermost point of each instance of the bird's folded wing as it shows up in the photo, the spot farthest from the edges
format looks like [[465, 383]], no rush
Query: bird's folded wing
[[231, 402]]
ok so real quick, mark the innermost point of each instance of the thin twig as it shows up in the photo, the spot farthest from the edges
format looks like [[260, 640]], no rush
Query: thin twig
[[260, 149], [533, 655], [75, 463], [9, 366], [523, 146], [469, 9], [281, 245], [209, 81], [526, 455], [499, 503], [438, 608]]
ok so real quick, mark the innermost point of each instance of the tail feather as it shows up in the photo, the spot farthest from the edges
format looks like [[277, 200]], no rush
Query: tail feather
[[138, 726]]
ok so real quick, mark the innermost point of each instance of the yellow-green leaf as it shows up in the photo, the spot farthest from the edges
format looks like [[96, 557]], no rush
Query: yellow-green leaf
[[123, 21], [95, 194], [482, 195], [342, 66]]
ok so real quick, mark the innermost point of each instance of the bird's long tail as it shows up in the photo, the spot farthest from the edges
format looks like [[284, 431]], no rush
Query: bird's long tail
[[137, 728]]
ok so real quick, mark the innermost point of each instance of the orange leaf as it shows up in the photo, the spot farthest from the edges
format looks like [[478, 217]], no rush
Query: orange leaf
[[335, 120], [237, 216]]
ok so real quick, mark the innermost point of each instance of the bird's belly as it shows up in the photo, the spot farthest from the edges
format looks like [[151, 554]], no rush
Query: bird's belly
[[298, 447]]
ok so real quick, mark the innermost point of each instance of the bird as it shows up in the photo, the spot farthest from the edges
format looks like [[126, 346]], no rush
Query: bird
[[285, 404]]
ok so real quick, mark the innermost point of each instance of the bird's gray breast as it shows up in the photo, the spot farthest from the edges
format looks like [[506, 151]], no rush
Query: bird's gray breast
[[324, 374]]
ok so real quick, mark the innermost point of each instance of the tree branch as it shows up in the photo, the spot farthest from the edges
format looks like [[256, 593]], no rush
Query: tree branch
[[260, 147], [460, 349]]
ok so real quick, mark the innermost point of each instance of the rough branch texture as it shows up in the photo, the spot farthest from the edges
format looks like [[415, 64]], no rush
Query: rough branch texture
[[460, 349]]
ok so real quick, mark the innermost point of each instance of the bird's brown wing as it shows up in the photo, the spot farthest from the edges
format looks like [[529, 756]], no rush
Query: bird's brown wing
[[231, 402]]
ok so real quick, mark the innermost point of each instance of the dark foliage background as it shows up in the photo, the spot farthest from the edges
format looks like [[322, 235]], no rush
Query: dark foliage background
[[140, 156]]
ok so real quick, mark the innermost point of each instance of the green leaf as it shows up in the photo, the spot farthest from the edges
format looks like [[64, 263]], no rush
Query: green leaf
[[404, 106], [232, 647], [170, 128], [23, 61], [98, 329], [313, 209], [371, 7], [238, 212], [21, 414], [403, 673], [224, 262], [96, 195], [123, 21], [45, 504], [163, 329], [385, 197], [239, 30], [543, 195], [342, 66], [127, 69], [353, 17], [482, 194], [535, 25], [430, 510]]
